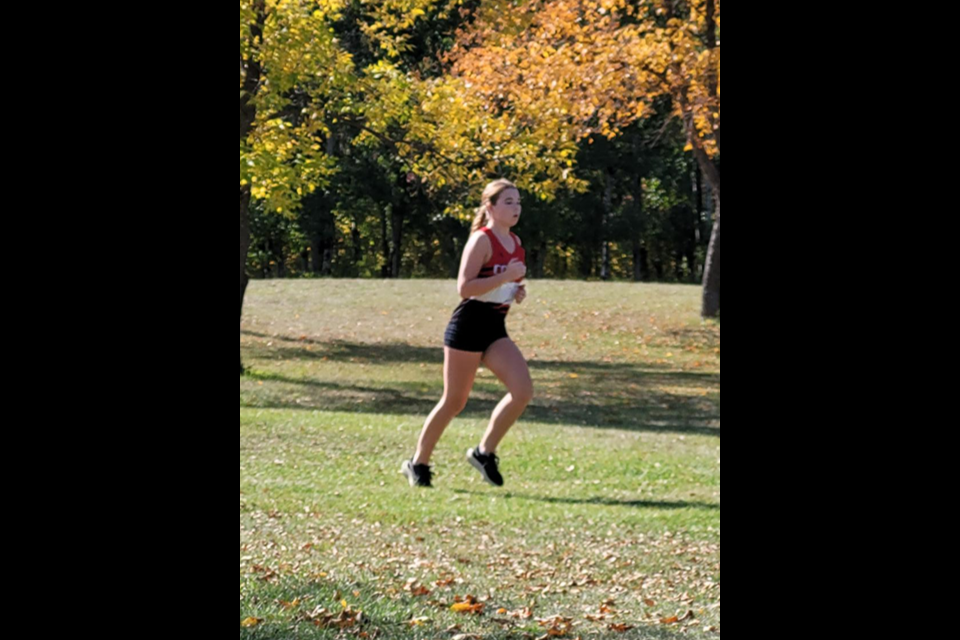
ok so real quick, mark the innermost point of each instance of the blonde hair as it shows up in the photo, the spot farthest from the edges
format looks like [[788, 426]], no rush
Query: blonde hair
[[490, 196]]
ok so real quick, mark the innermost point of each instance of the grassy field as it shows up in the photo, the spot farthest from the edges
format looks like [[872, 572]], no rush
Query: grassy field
[[609, 526]]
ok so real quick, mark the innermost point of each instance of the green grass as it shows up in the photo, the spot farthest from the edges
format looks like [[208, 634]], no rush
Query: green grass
[[611, 515]]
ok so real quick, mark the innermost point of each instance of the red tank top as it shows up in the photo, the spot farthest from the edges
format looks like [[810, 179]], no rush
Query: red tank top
[[501, 258]]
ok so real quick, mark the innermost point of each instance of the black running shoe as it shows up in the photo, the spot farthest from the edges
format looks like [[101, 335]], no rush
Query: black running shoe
[[419, 475], [488, 466]]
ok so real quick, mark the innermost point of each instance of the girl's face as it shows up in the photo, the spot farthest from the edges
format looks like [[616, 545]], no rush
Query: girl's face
[[507, 210]]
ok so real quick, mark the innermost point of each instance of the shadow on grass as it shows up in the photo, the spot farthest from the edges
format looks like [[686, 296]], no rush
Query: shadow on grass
[[628, 396], [606, 502]]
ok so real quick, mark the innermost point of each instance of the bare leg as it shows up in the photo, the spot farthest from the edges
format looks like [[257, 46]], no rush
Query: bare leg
[[459, 373], [506, 361]]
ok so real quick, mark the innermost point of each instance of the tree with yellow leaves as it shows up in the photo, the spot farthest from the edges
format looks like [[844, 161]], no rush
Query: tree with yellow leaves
[[564, 71], [290, 66]]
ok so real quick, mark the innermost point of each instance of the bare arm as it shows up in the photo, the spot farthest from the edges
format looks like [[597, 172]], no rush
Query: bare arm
[[477, 252]]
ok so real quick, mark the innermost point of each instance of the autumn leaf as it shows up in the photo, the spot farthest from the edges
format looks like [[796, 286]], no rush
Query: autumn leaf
[[463, 607]]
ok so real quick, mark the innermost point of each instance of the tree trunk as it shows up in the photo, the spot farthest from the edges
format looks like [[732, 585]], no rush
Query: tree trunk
[[244, 247], [639, 259], [248, 115], [636, 214], [711, 276], [396, 250], [605, 270], [316, 254], [385, 247], [355, 242]]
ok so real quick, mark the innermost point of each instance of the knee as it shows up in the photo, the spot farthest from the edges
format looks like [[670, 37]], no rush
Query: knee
[[523, 393], [454, 404]]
